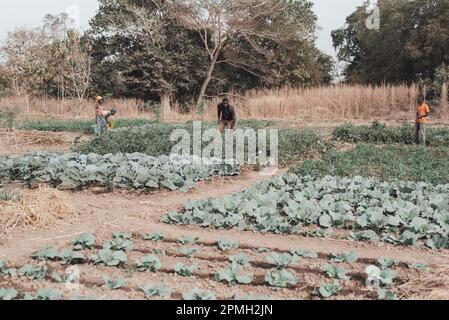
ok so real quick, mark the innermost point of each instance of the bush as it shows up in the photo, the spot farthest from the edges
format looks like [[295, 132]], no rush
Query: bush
[[392, 162], [382, 134], [82, 126], [154, 140]]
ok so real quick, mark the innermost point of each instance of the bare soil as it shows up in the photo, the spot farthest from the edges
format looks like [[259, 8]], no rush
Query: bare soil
[[103, 213]]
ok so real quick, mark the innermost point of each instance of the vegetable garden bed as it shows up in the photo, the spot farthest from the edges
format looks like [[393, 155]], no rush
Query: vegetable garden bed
[[154, 267], [128, 171], [403, 213]]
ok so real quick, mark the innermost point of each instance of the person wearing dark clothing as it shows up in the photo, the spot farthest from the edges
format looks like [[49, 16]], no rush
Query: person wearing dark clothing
[[226, 116]]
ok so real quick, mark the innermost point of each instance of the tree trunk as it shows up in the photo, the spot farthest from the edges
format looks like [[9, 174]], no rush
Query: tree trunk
[[165, 103], [208, 78]]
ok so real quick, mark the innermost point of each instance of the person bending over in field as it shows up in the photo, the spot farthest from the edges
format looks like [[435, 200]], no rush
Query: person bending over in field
[[103, 118], [226, 116], [422, 112]]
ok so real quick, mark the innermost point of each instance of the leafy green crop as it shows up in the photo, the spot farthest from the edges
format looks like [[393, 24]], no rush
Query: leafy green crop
[[399, 212], [349, 257], [109, 258], [84, 241], [81, 126], [384, 276], [386, 163], [387, 262], [417, 266], [4, 271], [232, 275], [280, 278], [197, 294], [113, 284], [386, 295], [8, 294], [156, 289], [127, 171], [149, 263], [188, 240], [34, 273], [334, 272], [380, 133], [154, 236], [44, 294], [185, 271], [66, 256], [119, 244], [226, 245], [187, 251], [304, 254], [45, 254], [282, 260], [240, 259], [327, 290]]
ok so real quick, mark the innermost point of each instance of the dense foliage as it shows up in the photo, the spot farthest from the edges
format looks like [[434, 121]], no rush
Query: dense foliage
[[395, 212], [129, 171], [381, 133], [154, 140], [412, 42], [82, 126], [390, 162]]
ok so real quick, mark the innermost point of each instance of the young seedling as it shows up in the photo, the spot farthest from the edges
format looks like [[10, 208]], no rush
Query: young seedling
[[109, 258], [153, 236], [383, 294], [188, 240], [280, 278], [349, 257], [224, 244], [232, 275], [387, 262], [84, 241], [187, 251], [334, 272], [327, 290], [157, 289], [113, 284], [282, 260], [33, 273], [8, 294], [149, 263], [185, 271], [240, 259], [197, 294]]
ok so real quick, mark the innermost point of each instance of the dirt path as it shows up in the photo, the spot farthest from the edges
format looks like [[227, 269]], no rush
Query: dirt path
[[103, 213]]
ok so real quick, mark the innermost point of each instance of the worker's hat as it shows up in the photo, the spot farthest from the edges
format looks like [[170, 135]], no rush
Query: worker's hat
[[99, 98]]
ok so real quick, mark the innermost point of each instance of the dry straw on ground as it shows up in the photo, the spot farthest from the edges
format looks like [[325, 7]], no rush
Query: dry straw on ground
[[38, 208]]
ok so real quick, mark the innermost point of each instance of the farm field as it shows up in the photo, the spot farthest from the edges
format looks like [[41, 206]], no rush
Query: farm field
[[319, 229]]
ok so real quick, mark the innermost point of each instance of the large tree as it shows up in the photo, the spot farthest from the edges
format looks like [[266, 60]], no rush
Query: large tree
[[272, 41], [140, 48], [412, 42]]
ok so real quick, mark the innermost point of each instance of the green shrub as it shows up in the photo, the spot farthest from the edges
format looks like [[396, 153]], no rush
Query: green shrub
[[388, 162], [382, 134], [154, 140], [83, 126]]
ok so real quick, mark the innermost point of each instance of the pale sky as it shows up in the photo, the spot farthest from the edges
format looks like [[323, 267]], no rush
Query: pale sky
[[29, 13]]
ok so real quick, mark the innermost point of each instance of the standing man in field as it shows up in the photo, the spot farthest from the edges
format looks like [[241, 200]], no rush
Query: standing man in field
[[423, 112], [226, 116]]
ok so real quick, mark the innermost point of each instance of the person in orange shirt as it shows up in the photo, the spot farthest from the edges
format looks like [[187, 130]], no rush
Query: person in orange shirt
[[422, 112]]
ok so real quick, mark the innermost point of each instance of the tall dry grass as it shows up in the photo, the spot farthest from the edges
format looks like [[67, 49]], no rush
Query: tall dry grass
[[330, 103], [39, 108]]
